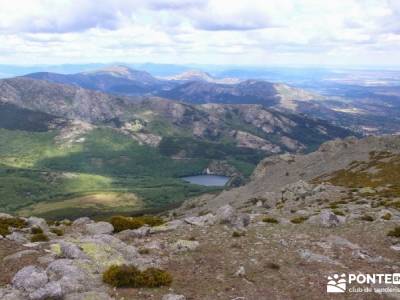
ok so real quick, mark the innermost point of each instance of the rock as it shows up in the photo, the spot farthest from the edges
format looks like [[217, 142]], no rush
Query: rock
[[241, 272], [225, 214], [339, 241], [173, 297], [30, 279], [99, 228], [326, 219], [184, 245], [314, 257], [134, 233], [242, 220], [51, 290], [169, 226], [5, 216], [38, 222], [70, 250], [395, 247], [92, 295], [208, 219], [20, 254], [17, 237], [296, 191], [82, 221], [11, 294]]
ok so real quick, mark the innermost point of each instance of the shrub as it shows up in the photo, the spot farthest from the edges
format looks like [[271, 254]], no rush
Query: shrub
[[333, 206], [121, 223], [298, 220], [6, 223], [130, 276], [237, 234], [57, 231], [270, 220], [387, 216], [338, 212], [144, 251], [367, 218], [36, 230], [273, 266], [39, 237], [395, 232]]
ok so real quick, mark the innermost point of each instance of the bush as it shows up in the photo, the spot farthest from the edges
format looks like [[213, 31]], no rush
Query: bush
[[130, 276], [387, 216], [36, 230], [121, 223], [367, 218], [298, 220], [144, 251], [237, 234], [6, 223], [57, 231], [395, 232], [39, 237], [270, 220]]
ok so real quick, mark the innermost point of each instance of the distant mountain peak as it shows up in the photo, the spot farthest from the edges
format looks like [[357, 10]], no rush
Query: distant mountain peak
[[123, 72], [198, 75]]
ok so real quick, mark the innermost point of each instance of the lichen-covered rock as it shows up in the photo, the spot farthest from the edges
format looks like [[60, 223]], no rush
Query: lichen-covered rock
[[70, 250], [18, 237], [99, 228], [30, 279]]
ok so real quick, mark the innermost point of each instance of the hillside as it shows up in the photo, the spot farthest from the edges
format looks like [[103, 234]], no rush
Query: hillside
[[62, 144], [337, 210]]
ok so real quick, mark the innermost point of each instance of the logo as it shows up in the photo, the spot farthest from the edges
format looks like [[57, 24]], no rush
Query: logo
[[336, 283]]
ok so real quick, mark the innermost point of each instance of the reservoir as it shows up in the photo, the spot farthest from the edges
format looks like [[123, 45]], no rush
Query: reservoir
[[207, 180]]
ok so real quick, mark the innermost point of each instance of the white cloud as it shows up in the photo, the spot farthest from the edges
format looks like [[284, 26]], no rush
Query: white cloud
[[201, 31]]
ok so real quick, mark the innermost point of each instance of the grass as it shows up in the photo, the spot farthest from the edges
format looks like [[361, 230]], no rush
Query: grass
[[39, 237], [130, 276], [387, 216], [7, 223], [367, 218]]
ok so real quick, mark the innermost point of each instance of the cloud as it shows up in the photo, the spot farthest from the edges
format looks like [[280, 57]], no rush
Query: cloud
[[202, 31]]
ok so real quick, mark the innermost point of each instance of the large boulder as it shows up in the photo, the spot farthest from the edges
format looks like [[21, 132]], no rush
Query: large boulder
[[70, 250], [82, 221], [225, 214], [208, 219], [39, 223], [99, 228], [326, 219], [30, 279], [51, 290]]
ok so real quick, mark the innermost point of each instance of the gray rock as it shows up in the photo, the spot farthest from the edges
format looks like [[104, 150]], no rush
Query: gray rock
[[99, 228], [326, 219], [17, 237], [11, 294], [70, 250], [30, 279], [169, 226], [173, 297], [38, 222], [240, 272], [5, 216], [225, 214], [134, 233], [314, 257], [82, 221], [208, 219], [20, 254], [242, 220], [51, 290]]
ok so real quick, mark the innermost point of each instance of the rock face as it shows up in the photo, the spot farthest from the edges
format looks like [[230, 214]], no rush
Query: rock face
[[99, 228]]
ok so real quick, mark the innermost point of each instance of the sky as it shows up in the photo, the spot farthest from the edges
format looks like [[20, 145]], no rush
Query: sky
[[240, 32]]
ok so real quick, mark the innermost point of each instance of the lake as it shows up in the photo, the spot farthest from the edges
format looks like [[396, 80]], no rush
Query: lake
[[207, 180]]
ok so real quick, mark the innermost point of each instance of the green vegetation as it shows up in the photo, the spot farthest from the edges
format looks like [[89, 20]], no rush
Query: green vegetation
[[130, 276], [57, 231], [299, 220], [270, 220], [121, 223], [367, 218], [387, 216], [237, 234], [36, 230], [39, 237], [338, 212], [394, 232], [6, 223]]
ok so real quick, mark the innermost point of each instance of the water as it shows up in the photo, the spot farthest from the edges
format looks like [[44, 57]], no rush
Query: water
[[207, 180]]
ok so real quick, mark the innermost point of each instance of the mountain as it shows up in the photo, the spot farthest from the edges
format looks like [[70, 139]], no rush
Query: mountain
[[113, 79], [197, 75]]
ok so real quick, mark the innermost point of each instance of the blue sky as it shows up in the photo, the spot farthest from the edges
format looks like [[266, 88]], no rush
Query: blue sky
[[248, 32]]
